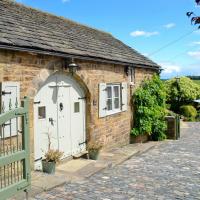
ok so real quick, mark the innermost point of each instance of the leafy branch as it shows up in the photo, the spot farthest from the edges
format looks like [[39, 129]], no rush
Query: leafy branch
[[194, 18]]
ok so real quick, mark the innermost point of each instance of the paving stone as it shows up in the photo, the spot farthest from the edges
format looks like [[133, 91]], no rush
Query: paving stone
[[169, 171]]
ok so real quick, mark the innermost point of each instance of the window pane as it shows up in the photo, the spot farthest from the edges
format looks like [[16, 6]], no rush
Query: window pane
[[116, 101], [109, 92], [109, 104], [42, 112], [116, 91], [76, 107]]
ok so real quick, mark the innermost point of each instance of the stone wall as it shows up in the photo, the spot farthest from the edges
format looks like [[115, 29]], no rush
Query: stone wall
[[31, 70]]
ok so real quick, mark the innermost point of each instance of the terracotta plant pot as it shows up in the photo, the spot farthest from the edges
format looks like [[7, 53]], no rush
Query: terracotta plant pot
[[93, 154], [48, 167]]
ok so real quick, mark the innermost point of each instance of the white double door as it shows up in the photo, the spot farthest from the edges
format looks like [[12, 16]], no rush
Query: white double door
[[59, 118]]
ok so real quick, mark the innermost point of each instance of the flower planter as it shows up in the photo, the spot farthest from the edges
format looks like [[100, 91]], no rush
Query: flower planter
[[139, 139], [48, 167], [93, 155]]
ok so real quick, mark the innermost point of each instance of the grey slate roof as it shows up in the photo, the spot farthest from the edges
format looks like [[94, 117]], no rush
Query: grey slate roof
[[21, 26]]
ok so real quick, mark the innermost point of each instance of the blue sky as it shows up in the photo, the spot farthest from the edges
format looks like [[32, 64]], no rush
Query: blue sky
[[145, 25]]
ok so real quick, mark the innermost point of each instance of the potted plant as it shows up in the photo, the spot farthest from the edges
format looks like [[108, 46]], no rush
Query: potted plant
[[51, 158], [93, 150]]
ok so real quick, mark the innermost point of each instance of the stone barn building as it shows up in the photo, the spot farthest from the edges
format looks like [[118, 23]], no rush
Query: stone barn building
[[79, 80]]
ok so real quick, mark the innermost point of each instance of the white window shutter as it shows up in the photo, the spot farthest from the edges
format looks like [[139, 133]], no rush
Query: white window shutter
[[102, 99], [10, 99], [124, 101]]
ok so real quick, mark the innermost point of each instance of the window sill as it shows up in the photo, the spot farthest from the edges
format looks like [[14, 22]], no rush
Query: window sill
[[113, 114]]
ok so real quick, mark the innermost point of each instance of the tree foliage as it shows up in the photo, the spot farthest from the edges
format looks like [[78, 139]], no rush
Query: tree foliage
[[197, 2], [189, 112], [149, 104], [183, 90], [194, 18]]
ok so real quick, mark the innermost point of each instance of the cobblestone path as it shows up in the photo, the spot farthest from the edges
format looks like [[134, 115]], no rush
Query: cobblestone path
[[169, 171]]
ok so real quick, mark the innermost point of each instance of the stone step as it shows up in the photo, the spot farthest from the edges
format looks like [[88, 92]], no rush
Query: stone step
[[81, 154]]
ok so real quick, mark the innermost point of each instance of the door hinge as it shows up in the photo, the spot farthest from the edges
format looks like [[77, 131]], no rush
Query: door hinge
[[8, 124], [38, 159], [37, 102], [82, 98], [83, 143], [4, 92]]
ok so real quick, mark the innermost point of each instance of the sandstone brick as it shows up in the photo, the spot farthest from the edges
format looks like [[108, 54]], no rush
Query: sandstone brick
[[32, 70]]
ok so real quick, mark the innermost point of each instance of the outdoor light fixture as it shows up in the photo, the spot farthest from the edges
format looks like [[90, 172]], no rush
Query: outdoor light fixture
[[126, 70], [73, 67]]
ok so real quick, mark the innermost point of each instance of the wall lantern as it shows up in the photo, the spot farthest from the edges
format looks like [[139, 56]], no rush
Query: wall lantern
[[72, 66], [127, 70]]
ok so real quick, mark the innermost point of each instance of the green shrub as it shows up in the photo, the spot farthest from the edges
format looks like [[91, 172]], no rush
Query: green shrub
[[150, 109], [189, 112], [198, 116], [180, 92]]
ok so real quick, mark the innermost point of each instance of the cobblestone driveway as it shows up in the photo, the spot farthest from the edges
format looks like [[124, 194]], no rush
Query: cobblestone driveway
[[169, 171]]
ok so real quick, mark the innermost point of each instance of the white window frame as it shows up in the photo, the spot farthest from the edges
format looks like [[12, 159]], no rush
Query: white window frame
[[103, 94], [114, 110]]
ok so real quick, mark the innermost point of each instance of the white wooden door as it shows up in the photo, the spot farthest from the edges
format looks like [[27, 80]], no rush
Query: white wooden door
[[59, 111], [63, 110], [45, 120], [77, 105]]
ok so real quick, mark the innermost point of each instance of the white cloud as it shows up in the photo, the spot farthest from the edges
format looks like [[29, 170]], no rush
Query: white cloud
[[197, 31], [195, 43], [194, 54], [140, 33], [64, 1], [169, 26], [170, 68]]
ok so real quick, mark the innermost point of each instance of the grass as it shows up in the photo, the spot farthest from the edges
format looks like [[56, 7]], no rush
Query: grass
[[197, 81]]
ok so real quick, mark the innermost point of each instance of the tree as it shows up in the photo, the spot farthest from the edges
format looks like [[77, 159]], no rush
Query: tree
[[181, 91], [194, 18]]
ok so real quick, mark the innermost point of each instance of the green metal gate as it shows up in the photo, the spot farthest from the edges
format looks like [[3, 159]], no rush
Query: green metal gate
[[14, 151]]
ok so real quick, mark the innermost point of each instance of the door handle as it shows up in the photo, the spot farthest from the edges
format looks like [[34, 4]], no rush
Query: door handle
[[61, 106]]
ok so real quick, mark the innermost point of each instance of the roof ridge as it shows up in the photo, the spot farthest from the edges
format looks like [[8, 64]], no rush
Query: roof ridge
[[39, 11]]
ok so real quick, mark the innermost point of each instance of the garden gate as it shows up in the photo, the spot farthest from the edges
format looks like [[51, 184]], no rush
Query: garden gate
[[14, 149]]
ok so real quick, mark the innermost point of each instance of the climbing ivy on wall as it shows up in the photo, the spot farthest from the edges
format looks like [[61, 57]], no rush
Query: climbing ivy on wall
[[150, 109]]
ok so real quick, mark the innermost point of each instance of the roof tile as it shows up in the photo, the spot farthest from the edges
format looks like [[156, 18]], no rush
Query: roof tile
[[26, 27]]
